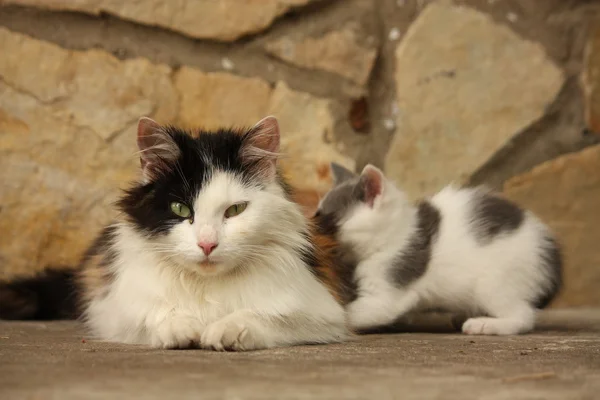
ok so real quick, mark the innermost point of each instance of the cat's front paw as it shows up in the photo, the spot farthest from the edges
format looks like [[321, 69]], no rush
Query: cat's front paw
[[235, 332], [178, 332]]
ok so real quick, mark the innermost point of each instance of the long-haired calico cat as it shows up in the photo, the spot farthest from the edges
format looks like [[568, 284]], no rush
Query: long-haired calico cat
[[209, 251], [467, 251]]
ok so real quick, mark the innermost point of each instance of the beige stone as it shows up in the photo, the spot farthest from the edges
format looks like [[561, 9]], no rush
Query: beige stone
[[224, 20], [591, 79], [92, 89], [213, 100], [210, 100], [67, 138], [63, 158], [341, 52], [465, 85], [305, 123], [565, 193]]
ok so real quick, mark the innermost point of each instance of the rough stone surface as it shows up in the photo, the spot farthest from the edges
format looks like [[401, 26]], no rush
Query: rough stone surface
[[343, 52], [565, 193], [216, 99], [63, 156], [591, 80], [67, 123], [560, 131], [41, 361], [465, 85], [306, 124], [213, 99], [224, 20]]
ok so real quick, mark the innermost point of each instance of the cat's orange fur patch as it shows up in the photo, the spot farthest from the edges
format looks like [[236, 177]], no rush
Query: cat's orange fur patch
[[328, 271]]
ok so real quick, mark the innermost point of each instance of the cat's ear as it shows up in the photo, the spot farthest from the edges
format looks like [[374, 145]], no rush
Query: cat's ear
[[340, 174], [158, 150], [261, 147], [371, 184]]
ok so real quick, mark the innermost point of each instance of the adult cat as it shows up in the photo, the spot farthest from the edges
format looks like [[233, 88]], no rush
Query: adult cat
[[209, 251]]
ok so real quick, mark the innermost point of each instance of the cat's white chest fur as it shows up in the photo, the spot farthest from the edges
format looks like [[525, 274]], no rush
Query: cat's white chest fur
[[151, 302]]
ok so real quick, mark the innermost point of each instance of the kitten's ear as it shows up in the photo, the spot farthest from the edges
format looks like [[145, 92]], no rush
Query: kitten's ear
[[261, 147], [371, 184], [340, 174], [158, 150]]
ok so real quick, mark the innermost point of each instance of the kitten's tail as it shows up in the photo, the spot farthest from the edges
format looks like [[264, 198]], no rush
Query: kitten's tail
[[49, 295]]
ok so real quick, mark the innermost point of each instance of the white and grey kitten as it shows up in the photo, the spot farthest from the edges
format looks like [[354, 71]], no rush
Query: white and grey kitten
[[209, 250], [467, 251]]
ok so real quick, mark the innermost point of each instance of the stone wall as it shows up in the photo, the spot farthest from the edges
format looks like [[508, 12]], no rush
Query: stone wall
[[500, 92]]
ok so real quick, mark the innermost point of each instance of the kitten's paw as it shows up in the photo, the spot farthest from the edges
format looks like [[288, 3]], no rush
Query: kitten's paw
[[363, 314], [178, 332], [494, 326], [360, 315], [476, 326], [233, 333]]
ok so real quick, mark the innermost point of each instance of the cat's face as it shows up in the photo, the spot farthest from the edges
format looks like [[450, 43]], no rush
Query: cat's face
[[207, 203], [357, 206]]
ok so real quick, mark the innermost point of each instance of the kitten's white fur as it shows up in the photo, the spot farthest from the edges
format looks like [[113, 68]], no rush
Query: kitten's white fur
[[500, 279], [253, 297]]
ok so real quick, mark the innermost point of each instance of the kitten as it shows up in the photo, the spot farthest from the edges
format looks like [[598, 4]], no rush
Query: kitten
[[467, 251], [209, 251]]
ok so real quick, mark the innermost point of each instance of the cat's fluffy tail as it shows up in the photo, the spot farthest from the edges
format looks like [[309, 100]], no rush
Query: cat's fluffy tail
[[49, 295]]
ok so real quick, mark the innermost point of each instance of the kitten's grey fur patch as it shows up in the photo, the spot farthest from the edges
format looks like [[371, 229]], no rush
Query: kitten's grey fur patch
[[341, 174], [553, 262], [493, 215], [338, 201], [412, 262]]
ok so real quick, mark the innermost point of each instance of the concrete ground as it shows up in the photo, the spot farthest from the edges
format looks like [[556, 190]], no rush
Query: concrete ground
[[560, 361]]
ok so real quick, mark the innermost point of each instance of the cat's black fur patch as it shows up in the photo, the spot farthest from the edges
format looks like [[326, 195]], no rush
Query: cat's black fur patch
[[48, 295], [309, 257], [552, 259], [412, 261], [493, 215], [147, 205], [53, 293], [327, 224]]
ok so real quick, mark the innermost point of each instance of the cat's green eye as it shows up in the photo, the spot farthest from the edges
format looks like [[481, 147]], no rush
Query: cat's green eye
[[181, 210], [235, 209]]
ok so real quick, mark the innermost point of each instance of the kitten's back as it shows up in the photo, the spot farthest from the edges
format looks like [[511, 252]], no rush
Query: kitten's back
[[485, 230]]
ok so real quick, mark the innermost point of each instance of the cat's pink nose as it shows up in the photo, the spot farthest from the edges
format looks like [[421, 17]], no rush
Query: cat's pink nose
[[207, 247]]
